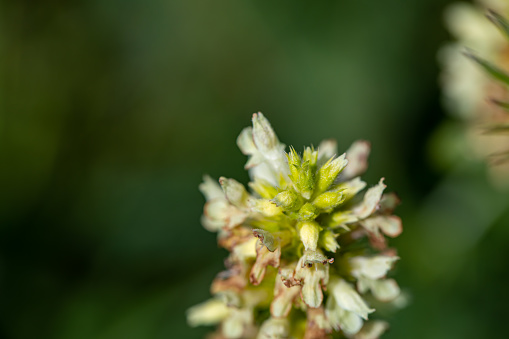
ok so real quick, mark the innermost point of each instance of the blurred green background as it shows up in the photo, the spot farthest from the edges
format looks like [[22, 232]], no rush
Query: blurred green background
[[111, 111]]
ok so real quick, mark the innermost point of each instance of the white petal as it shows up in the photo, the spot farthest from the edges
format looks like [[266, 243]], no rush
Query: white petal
[[327, 149], [210, 188], [348, 299], [235, 324], [274, 328], [264, 136], [209, 312], [374, 267], [389, 224], [357, 156], [385, 290], [245, 250], [352, 187], [340, 318], [371, 200], [265, 172], [372, 330], [234, 191], [245, 141], [349, 322]]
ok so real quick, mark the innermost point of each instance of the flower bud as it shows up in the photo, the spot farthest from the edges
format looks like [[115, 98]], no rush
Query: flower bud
[[309, 233], [306, 181], [329, 200], [329, 172], [307, 212], [328, 241], [294, 162], [288, 200], [311, 156]]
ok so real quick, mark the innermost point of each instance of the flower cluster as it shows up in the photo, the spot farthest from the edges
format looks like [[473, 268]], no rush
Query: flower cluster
[[476, 94], [306, 247]]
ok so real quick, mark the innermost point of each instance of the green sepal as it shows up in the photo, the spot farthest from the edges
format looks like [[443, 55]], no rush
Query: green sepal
[[266, 238], [499, 21], [489, 68]]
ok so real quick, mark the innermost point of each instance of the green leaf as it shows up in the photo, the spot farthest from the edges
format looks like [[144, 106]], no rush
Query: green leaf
[[491, 69]]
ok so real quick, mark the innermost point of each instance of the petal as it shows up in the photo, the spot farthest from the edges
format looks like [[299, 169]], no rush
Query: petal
[[245, 141], [264, 258], [209, 312], [341, 319], [348, 299], [317, 326], [374, 267], [314, 275], [283, 298], [311, 292], [211, 225], [210, 188], [372, 330], [371, 200], [274, 328], [245, 250], [357, 156], [264, 136], [235, 325], [389, 224], [349, 322], [385, 290], [234, 192], [326, 150], [351, 187]]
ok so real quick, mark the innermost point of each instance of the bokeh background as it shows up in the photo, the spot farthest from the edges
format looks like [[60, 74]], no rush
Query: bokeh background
[[111, 112]]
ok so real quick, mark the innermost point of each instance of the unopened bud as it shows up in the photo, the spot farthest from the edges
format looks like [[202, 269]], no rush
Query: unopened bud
[[309, 233]]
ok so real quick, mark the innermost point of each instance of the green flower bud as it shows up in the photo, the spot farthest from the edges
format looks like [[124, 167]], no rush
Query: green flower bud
[[307, 212], [311, 156], [328, 241], [306, 181], [329, 200], [288, 200], [329, 172], [294, 163]]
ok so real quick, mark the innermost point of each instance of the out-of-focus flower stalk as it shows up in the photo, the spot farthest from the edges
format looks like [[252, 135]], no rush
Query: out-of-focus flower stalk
[[307, 249]]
